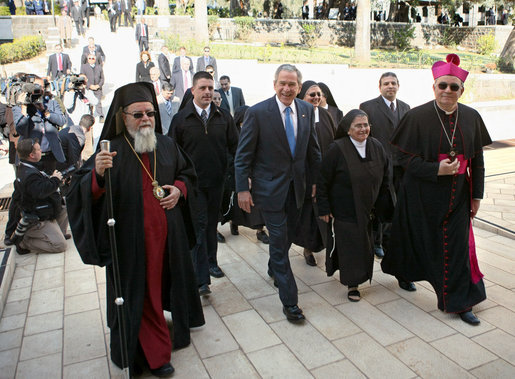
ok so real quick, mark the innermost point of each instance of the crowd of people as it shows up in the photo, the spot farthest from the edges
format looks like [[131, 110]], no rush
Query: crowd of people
[[187, 153]]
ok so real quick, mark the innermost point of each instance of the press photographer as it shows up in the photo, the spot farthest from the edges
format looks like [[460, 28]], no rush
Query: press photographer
[[40, 198], [78, 100], [38, 116]]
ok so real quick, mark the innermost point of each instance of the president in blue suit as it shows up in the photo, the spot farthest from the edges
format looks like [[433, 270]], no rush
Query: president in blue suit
[[278, 143]]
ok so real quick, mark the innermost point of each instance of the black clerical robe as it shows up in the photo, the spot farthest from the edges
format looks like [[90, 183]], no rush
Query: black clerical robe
[[310, 231], [88, 218], [431, 235], [349, 188]]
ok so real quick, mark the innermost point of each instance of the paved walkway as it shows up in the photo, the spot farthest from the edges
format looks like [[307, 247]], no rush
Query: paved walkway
[[53, 325]]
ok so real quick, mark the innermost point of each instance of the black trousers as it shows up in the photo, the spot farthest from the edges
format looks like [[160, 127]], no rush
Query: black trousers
[[128, 17], [209, 202], [281, 229], [143, 44]]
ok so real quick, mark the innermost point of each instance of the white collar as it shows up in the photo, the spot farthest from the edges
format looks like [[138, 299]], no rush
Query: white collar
[[282, 107], [199, 110]]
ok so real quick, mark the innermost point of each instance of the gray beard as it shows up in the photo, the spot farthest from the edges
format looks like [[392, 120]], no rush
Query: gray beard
[[145, 140]]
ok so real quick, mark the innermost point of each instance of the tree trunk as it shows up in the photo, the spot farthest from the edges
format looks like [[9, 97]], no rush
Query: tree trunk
[[362, 42], [507, 56], [163, 7], [201, 31]]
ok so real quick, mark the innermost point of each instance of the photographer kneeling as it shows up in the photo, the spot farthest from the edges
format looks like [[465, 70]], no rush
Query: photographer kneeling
[[40, 198]]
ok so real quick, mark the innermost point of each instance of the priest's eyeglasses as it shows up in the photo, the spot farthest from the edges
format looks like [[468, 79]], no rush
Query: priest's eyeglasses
[[138, 115], [454, 87]]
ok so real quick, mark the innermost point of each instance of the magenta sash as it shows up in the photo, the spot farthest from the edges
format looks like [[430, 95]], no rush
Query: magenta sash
[[475, 274]]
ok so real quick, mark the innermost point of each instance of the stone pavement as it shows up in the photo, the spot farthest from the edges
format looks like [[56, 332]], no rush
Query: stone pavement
[[53, 324]]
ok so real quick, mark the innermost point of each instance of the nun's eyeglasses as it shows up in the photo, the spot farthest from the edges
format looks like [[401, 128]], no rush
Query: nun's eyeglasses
[[138, 115]]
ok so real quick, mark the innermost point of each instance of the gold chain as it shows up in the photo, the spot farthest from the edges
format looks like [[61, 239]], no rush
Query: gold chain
[[140, 161]]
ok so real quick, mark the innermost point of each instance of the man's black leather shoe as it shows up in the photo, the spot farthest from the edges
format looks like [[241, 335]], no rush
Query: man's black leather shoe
[[293, 313], [220, 237], [261, 236], [164, 371], [469, 318], [8, 241], [204, 290], [407, 286], [234, 229], [310, 260], [216, 272], [20, 250]]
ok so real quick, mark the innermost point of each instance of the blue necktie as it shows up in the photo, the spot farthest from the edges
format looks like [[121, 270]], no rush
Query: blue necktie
[[290, 132]]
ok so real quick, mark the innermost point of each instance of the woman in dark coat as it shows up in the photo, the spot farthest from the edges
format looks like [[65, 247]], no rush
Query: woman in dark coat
[[143, 67], [310, 232], [354, 179], [327, 102]]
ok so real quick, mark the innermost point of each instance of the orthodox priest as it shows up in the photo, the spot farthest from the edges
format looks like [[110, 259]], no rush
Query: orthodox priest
[[152, 185], [441, 149]]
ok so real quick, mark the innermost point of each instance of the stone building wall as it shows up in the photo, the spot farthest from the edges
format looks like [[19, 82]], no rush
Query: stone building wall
[[32, 25]]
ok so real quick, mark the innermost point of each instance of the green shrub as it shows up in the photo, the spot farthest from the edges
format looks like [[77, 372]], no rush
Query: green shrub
[[244, 26], [4, 11], [219, 11], [402, 37], [486, 44], [174, 42], [21, 49], [310, 33], [21, 11]]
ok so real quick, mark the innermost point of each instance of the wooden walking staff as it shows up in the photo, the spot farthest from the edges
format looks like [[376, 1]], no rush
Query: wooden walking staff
[[105, 145]]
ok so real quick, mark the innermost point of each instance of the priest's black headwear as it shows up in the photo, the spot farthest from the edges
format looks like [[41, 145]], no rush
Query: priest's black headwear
[[124, 96]]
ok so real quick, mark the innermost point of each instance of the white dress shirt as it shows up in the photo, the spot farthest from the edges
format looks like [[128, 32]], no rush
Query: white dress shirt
[[293, 113]]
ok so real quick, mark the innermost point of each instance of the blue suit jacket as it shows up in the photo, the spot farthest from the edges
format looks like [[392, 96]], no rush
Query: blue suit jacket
[[264, 154]]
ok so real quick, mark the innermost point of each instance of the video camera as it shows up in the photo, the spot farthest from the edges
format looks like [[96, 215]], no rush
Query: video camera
[[76, 82], [22, 82], [34, 93]]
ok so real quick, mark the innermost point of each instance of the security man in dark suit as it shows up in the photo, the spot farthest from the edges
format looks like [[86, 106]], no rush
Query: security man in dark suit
[[95, 75], [207, 134], [165, 74], [277, 144], [232, 97], [384, 113], [142, 35], [92, 48], [59, 64]]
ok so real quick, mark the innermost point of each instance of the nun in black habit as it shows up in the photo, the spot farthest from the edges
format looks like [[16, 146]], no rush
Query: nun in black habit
[[353, 187], [327, 102], [148, 235], [311, 231]]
